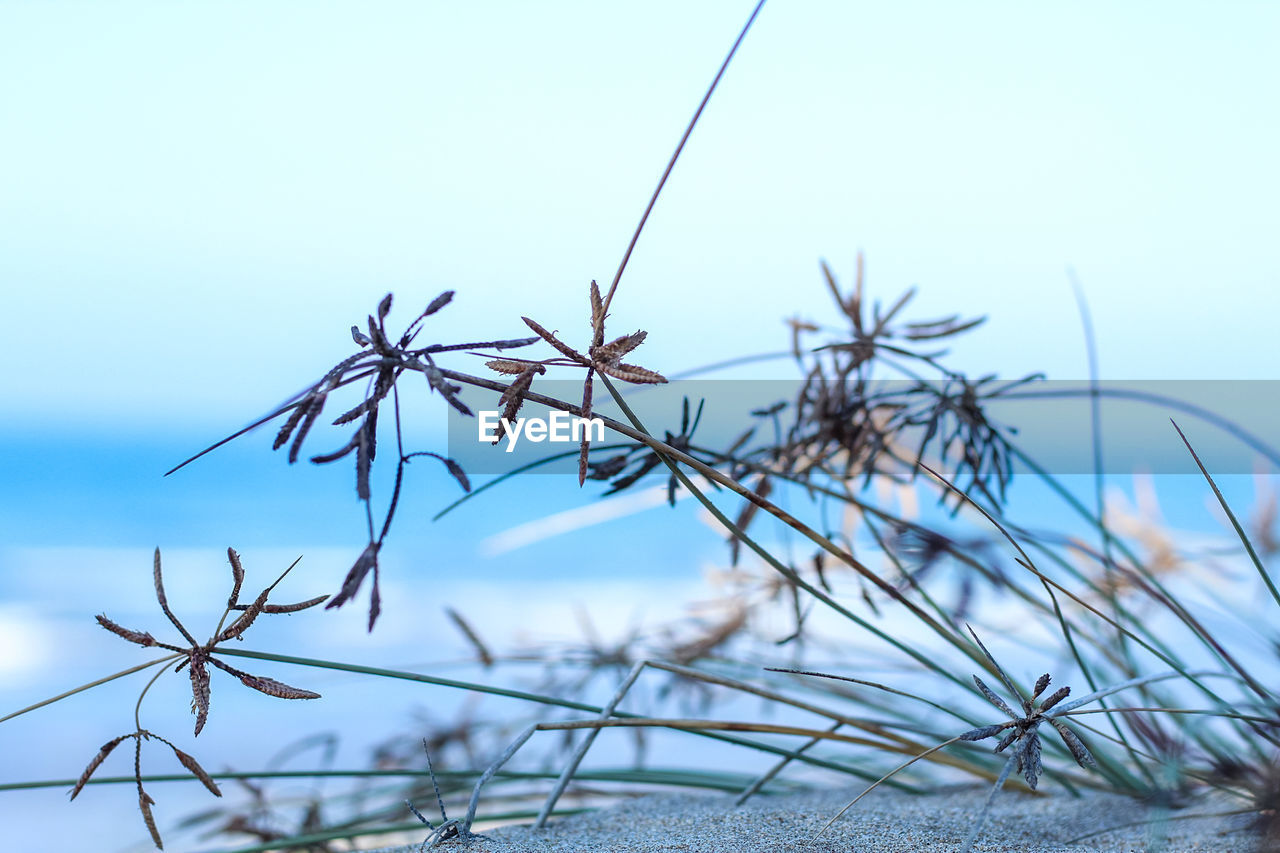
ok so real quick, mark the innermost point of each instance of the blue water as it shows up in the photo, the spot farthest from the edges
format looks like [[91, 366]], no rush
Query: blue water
[[83, 509]]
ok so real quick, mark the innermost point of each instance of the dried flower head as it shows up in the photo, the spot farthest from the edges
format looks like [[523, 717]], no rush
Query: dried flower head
[[196, 655], [381, 362], [1020, 732], [600, 357], [145, 802]]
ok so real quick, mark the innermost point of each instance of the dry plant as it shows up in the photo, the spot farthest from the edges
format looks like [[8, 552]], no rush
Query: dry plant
[[1196, 702], [195, 657]]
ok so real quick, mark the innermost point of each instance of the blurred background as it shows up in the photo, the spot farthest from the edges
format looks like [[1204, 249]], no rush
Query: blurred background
[[198, 200]]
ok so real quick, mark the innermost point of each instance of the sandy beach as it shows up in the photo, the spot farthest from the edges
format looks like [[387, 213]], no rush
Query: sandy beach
[[884, 821]]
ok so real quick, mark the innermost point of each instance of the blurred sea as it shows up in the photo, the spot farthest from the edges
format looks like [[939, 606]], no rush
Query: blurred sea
[[82, 511]]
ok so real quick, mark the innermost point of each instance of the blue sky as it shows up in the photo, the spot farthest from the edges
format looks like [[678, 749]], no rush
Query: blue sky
[[197, 200], [217, 191]]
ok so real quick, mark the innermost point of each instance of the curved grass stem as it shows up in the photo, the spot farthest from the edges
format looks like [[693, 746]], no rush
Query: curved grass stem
[[83, 687]]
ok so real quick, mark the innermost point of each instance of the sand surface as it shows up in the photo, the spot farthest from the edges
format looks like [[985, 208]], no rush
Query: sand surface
[[883, 821]]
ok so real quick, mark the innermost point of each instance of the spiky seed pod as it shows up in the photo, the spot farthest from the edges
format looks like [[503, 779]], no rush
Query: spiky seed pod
[[597, 313], [271, 687], [1077, 748], [294, 608], [482, 651], [432, 307], [308, 421], [439, 302], [379, 340], [584, 448], [196, 770], [366, 447], [144, 805], [940, 328], [245, 619], [387, 374], [507, 366], [511, 343], [1057, 696], [455, 470], [610, 467], [633, 373], [993, 698], [351, 584], [438, 383], [375, 599], [650, 462], [199, 687], [513, 398], [984, 732], [158, 578], [299, 410], [612, 352], [355, 411], [1029, 760], [1008, 739], [237, 577], [565, 349], [142, 638], [96, 762]]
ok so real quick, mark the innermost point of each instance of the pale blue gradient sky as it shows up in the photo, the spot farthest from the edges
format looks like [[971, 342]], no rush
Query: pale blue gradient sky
[[216, 191]]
